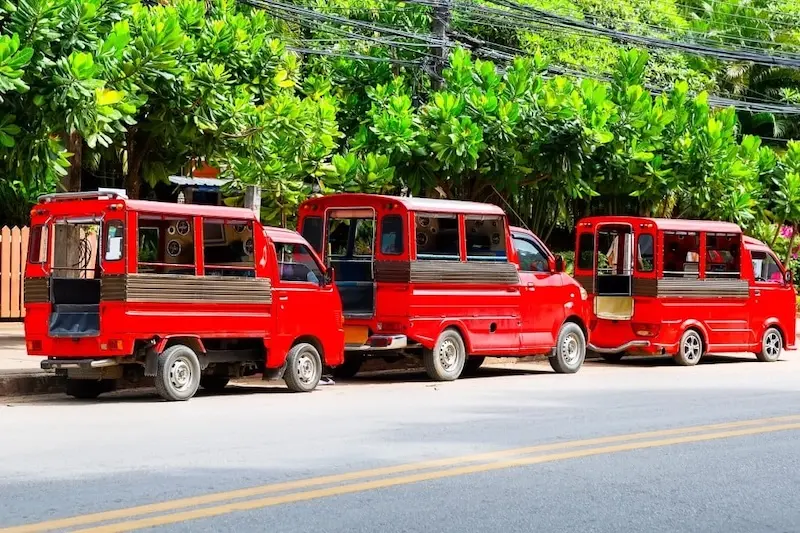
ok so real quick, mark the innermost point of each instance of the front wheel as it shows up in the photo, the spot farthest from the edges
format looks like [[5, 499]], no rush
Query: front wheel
[[303, 368], [178, 373], [690, 349], [771, 346], [447, 359], [570, 349]]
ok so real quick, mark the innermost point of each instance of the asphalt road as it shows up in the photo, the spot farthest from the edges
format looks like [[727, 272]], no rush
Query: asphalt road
[[639, 446]]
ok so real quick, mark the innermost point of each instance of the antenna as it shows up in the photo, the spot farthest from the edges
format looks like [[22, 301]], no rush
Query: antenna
[[521, 221]]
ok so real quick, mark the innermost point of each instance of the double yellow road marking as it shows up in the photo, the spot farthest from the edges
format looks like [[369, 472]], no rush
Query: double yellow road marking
[[176, 511]]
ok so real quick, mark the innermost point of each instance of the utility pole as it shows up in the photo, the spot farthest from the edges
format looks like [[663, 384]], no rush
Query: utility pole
[[439, 29], [252, 199]]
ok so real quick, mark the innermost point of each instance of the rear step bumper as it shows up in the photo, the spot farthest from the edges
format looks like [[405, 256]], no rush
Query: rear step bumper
[[620, 348], [379, 343], [53, 364]]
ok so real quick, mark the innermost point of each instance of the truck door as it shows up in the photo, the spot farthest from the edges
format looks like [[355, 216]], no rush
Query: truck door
[[542, 309], [770, 296], [301, 301]]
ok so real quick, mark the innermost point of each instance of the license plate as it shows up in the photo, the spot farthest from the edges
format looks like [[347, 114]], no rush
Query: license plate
[[356, 334]]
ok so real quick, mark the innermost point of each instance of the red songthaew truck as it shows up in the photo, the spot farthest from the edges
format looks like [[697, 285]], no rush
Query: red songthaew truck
[[192, 295]]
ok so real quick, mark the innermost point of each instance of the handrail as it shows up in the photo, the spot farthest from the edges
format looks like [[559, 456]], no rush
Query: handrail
[[84, 195]]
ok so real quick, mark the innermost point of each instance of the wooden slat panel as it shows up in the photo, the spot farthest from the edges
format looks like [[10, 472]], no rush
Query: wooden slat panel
[[154, 288], [37, 290], [703, 288], [25, 238], [501, 273], [393, 271], [645, 287], [5, 273], [16, 249]]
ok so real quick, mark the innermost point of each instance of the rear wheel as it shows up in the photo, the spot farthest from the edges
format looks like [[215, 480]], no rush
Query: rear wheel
[[570, 349], [447, 359], [771, 346], [214, 383], [690, 349], [303, 368], [472, 365], [350, 367], [89, 389], [178, 373]]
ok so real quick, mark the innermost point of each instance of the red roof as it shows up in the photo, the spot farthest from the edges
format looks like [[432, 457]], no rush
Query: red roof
[[667, 224], [188, 210], [424, 205]]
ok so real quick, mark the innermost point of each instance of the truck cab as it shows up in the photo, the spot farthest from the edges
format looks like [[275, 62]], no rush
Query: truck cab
[[442, 279], [190, 295]]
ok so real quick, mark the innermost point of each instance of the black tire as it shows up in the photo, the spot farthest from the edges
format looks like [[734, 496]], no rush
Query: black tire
[[214, 383], [690, 350], [447, 359], [89, 389], [303, 368], [178, 373], [570, 349], [613, 357], [771, 346], [349, 368], [472, 365]]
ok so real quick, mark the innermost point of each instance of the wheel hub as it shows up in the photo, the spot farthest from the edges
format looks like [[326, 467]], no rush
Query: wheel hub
[[305, 368], [772, 344], [692, 348], [569, 348], [448, 354], [180, 374]]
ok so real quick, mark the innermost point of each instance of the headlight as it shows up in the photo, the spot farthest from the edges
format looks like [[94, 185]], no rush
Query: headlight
[[584, 294]]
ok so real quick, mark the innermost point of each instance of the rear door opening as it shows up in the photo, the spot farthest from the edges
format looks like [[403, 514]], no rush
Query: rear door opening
[[76, 278], [351, 252], [614, 273]]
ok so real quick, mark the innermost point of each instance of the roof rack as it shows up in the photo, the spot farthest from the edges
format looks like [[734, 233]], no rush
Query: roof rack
[[100, 194]]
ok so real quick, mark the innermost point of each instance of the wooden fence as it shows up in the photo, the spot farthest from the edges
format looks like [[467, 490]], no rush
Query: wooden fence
[[13, 252]]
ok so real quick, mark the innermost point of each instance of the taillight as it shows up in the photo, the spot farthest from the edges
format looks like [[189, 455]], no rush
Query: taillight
[[34, 346], [645, 330], [392, 327], [111, 345]]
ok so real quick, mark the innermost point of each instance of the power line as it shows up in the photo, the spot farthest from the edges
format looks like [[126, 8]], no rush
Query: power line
[[348, 55]]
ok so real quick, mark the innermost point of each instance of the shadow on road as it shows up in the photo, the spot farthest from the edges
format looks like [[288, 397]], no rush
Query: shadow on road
[[637, 361], [419, 375]]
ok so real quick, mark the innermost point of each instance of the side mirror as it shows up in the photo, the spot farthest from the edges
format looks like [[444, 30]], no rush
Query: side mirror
[[329, 276], [788, 277], [559, 264]]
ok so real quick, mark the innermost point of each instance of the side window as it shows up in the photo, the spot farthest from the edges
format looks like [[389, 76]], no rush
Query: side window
[[228, 248], [114, 241], [766, 268], [722, 255], [166, 246], [437, 237], [351, 238], [38, 244], [365, 237], [296, 264], [586, 251], [531, 257], [392, 235], [485, 239], [645, 255], [681, 254], [312, 232]]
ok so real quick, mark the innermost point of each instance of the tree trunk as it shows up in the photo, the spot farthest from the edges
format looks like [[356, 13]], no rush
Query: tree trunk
[[133, 180], [775, 236], [791, 245], [72, 181]]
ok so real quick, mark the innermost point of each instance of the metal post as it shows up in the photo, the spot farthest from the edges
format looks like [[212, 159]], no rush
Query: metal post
[[252, 199]]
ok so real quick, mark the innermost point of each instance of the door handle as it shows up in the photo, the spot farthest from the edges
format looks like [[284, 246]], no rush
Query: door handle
[[283, 298], [531, 287], [758, 292]]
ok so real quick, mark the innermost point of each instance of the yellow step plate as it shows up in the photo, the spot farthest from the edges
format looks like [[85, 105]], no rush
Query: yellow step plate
[[356, 334]]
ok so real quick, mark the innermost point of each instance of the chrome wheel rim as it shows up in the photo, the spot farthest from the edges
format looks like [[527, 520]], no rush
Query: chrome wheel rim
[[570, 349], [180, 374], [306, 369], [692, 348], [448, 354], [773, 344]]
